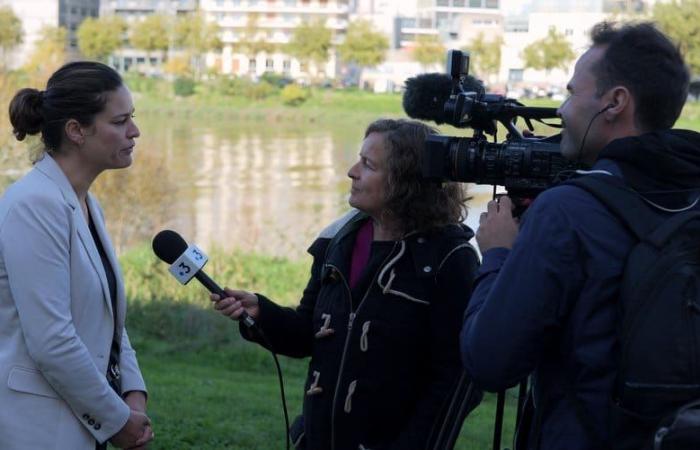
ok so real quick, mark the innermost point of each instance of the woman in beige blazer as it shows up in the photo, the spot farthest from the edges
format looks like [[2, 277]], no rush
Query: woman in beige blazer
[[69, 379]]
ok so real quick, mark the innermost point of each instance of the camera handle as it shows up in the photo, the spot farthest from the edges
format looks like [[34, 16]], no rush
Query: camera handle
[[521, 201]]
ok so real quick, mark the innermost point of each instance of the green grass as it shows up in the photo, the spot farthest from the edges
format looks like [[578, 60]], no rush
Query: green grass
[[324, 105], [208, 388], [225, 395]]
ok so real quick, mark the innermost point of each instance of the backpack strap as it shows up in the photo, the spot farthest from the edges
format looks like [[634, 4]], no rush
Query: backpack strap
[[670, 226], [624, 202], [631, 208]]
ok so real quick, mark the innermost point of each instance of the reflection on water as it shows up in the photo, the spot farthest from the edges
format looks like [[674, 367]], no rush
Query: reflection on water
[[267, 188], [265, 192]]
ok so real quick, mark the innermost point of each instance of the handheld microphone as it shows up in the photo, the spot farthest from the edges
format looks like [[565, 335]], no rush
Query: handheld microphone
[[186, 262]]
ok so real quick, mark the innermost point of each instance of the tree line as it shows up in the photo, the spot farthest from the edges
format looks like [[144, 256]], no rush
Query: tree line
[[181, 42]]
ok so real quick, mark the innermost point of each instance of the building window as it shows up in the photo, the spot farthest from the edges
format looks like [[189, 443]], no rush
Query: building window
[[287, 66], [515, 75], [252, 65], [443, 3], [568, 32], [269, 65], [493, 4], [219, 3], [458, 3], [475, 3], [290, 3]]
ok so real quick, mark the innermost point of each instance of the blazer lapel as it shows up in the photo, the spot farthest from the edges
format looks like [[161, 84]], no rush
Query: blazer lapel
[[51, 169]]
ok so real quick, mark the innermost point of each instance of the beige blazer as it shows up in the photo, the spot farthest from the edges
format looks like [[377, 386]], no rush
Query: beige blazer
[[56, 320]]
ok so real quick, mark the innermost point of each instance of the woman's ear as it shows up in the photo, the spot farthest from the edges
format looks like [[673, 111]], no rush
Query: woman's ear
[[74, 132]]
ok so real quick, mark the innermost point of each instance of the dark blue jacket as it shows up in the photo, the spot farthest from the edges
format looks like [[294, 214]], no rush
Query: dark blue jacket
[[548, 306]]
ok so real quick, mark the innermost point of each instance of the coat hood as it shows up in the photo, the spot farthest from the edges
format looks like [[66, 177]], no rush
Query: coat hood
[[666, 160]]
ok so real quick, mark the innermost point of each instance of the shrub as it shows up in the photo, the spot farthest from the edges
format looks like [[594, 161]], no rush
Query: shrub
[[183, 87], [140, 83], [243, 87], [294, 95]]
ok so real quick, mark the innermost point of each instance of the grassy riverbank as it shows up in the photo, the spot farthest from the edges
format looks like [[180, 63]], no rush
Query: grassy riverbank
[[209, 389]]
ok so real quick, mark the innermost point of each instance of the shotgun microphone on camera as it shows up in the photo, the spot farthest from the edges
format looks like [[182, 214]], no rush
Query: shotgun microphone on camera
[[425, 96], [186, 262]]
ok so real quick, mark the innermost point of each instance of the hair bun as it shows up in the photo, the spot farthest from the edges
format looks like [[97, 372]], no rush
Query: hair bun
[[26, 115]]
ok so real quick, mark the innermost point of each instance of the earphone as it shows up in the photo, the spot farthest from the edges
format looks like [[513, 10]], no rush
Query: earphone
[[607, 107]]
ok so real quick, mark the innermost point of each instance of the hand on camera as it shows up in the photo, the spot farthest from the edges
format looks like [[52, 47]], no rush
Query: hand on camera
[[497, 226], [236, 302], [135, 434]]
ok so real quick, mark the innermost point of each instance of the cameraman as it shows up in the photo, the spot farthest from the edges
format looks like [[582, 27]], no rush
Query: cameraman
[[546, 295]]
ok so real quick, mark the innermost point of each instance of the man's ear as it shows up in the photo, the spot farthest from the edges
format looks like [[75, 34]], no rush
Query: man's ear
[[620, 98], [74, 132]]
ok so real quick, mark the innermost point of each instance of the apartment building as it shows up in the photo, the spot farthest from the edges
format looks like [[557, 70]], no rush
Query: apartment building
[[273, 21], [572, 18], [134, 10], [36, 14]]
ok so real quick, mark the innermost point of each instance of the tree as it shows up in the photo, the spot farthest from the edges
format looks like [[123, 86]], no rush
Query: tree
[[151, 34], [311, 43], [49, 54], [98, 38], [252, 40], [10, 33], [429, 50], [197, 36], [680, 20], [485, 56], [551, 52], [363, 45]]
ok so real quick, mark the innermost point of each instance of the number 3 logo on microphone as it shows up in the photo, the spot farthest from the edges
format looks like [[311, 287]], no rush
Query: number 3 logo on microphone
[[188, 264]]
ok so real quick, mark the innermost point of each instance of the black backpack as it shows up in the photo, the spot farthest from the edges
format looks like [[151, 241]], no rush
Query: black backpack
[[656, 400]]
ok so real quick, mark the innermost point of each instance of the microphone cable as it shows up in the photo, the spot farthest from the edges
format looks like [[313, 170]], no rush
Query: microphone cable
[[280, 378]]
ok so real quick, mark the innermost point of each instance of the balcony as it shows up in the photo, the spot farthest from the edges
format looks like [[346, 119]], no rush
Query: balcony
[[276, 6]]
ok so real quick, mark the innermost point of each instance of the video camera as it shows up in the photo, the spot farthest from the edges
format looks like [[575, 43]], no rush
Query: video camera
[[525, 166]]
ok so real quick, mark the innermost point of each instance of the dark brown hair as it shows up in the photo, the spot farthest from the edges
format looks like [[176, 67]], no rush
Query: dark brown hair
[[645, 61], [78, 90], [416, 204]]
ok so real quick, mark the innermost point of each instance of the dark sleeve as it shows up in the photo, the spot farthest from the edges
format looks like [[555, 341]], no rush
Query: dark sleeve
[[289, 331], [445, 372], [520, 297]]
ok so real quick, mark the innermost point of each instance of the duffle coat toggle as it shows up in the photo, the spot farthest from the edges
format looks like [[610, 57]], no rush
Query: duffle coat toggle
[[364, 344], [325, 329], [315, 389], [386, 287], [348, 399]]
